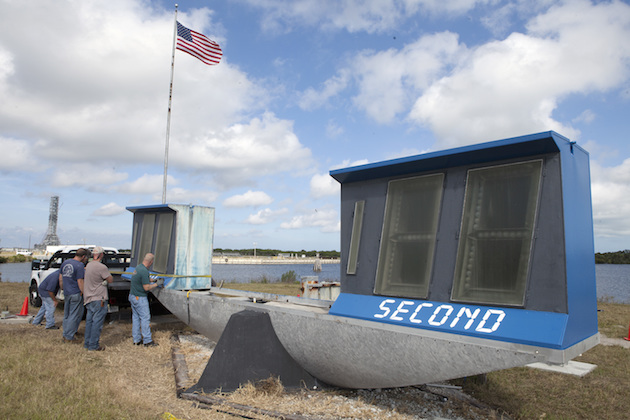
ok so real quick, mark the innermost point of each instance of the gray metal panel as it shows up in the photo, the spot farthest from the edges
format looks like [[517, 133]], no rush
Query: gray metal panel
[[450, 223], [374, 194], [547, 277], [547, 290]]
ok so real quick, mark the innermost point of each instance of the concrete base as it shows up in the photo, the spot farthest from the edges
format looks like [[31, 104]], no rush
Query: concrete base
[[571, 368], [16, 319]]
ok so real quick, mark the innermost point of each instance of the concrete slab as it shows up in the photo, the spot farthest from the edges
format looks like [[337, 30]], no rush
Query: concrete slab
[[607, 341], [16, 319], [572, 368]]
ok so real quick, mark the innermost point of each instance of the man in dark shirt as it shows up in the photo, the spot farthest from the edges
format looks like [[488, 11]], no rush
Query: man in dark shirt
[[140, 314], [71, 276], [48, 290]]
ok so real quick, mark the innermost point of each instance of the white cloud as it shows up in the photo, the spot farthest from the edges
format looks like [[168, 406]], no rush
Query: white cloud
[[323, 185], [89, 176], [610, 188], [500, 88], [109, 105], [146, 184], [313, 99], [371, 16], [109, 209], [587, 116], [265, 216], [512, 87], [334, 130], [390, 80], [16, 155], [325, 219], [185, 196], [406, 153], [348, 163], [248, 199], [243, 152]]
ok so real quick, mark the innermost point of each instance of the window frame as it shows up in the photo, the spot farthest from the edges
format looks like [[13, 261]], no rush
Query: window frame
[[396, 243], [464, 271]]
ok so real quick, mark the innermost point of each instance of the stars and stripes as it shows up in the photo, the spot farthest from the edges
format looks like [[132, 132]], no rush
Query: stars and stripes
[[198, 45]]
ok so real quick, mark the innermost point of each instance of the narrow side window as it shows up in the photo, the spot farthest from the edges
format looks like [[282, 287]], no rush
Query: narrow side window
[[355, 239]]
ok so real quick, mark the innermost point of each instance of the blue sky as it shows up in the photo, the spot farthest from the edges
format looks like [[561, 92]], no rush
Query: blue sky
[[304, 87]]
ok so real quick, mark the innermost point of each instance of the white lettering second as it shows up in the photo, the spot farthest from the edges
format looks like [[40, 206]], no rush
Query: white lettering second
[[489, 323]]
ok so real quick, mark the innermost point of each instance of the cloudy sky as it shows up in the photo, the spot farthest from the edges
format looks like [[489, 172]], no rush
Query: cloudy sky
[[304, 86]]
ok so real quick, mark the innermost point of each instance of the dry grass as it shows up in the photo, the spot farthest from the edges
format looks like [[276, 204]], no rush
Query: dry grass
[[532, 394], [45, 378], [613, 319]]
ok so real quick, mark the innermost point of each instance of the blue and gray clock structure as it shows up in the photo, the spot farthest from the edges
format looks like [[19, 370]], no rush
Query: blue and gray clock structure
[[454, 263]]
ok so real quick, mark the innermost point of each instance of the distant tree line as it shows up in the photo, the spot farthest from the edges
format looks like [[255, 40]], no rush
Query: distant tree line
[[19, 258], [261, 252], [619, 257]]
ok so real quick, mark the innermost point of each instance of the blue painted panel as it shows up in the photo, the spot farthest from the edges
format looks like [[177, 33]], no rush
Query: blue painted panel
[[192, 247], [579, 243], [517, 147], [541, 329], [195, 230]]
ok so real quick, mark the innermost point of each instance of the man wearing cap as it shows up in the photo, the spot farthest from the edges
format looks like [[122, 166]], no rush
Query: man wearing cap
[[95, 295], [71, 275]]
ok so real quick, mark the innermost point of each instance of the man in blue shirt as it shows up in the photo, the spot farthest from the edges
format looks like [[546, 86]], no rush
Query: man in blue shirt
[[48, 290], [71, 276], [140, 314]]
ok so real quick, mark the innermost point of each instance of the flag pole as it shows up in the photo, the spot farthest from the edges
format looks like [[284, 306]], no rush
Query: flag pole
[[168, 119]]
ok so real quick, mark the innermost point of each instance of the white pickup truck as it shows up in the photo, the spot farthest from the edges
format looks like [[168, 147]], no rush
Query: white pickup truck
[[116, 261]]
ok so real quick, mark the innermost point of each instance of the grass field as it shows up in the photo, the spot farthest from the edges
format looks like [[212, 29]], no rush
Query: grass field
[[42, 377]]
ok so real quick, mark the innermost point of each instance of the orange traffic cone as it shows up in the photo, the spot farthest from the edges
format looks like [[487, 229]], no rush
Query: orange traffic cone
[[628, 337], [24, 311]]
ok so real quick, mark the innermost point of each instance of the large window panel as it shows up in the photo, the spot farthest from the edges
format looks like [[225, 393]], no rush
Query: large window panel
[[409, 234], [146, 236], [163, 241], [496, 236]]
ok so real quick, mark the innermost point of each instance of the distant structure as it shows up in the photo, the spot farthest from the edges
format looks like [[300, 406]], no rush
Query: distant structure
[[51, 237]]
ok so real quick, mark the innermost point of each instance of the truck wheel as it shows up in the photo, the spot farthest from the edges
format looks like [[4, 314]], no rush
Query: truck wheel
[[33, 293]]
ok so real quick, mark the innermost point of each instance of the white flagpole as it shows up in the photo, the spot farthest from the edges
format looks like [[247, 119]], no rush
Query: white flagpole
[[168, 119]]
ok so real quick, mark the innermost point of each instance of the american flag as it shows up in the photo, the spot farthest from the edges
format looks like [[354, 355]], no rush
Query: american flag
[[198, 45]]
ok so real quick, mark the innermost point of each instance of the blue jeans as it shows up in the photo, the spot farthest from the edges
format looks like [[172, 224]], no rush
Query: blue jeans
[[94, 324], [140, 319], [48, 309], [72, 315]]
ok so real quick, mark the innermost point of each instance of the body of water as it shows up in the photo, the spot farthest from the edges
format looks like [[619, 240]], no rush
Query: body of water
[[247, 273], [613, 280], [229, 273]]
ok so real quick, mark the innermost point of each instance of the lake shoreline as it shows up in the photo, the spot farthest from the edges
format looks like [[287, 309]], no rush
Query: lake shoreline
[[271, 260]]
